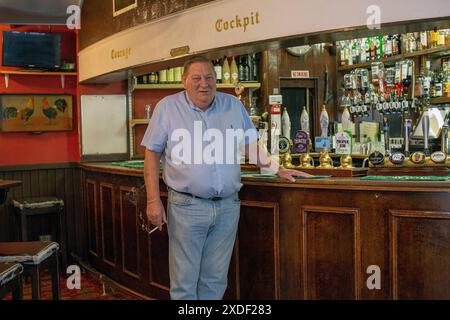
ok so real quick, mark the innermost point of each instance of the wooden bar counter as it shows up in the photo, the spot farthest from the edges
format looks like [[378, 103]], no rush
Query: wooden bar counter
[[336, 238]]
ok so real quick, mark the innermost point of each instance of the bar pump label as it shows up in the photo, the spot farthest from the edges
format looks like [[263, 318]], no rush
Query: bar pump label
[[397, 158], [438, 157], [301, 142], [343, 143], [376, 158], [418, 157]]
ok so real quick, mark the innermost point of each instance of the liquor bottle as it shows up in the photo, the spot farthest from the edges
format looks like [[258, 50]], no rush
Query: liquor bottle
[[367, 46], [438, 85], [428, 75], [241, 69], [379, 42], [218, 70], [363, 50], [373, 49], [355, 51], [424, 40], [226, 75], [441, 38], [254, 68], [434, 38], [247, 74], [388, 46], [234, 72], [343, 54], [395, 48]]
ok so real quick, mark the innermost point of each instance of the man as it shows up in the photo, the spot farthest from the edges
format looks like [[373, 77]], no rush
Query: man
[[203, 203]]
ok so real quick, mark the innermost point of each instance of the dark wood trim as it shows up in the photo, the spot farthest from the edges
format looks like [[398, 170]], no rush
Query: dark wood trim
[[45, 166], [102, 213], [105, 157], [122, 232], [163, 194], [97, 240]]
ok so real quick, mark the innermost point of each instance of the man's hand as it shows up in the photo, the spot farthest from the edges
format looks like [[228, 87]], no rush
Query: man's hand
[[289, 174], [156, 213]]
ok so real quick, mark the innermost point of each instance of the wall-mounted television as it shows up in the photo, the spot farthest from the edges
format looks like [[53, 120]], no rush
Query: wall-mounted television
[[31, 50]]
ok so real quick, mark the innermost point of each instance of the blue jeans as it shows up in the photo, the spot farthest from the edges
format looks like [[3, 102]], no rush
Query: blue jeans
[[201, 239]]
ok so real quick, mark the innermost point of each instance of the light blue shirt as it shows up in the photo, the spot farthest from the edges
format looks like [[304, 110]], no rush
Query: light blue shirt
[[187, 170]]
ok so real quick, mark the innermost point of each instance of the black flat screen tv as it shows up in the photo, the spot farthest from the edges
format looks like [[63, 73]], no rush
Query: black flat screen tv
[[31, 50]]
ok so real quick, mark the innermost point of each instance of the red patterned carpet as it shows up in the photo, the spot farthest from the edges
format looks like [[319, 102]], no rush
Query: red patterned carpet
[[91, 289]]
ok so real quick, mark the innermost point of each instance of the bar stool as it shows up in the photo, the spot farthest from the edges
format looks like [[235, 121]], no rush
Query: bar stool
[[37, 206], [32, 255], [11, 280]]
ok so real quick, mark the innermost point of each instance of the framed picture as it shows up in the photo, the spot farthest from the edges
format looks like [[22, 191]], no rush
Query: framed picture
[[35, 112], [121, 6]]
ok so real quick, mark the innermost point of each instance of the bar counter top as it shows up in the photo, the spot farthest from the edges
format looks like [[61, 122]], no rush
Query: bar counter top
[[355, 183]]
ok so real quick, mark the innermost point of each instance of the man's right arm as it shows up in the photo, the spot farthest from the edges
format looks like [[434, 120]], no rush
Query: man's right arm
[[155, 210]]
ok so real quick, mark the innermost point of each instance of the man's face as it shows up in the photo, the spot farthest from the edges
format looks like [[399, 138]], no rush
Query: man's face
[[200, 84]]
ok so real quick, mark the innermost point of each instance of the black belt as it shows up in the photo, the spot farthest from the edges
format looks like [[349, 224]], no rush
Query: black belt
[[193, 196]]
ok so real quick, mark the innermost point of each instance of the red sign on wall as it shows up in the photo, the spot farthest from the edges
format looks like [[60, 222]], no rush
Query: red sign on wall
[[299, 74]]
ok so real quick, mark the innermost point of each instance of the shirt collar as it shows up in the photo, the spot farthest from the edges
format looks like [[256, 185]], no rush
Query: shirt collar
[[194, 107]]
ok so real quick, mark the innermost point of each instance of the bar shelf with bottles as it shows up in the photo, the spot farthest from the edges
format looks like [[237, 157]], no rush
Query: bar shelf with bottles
[[230, 72], [360, 53], [399, 107]]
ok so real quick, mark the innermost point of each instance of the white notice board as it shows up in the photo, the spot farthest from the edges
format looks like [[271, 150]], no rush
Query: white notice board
[[103, 124]]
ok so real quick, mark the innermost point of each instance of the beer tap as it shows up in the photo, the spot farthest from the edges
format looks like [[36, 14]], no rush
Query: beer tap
[[425, 130], [407, 131], [386, 136], [444, 139], [439, 157]]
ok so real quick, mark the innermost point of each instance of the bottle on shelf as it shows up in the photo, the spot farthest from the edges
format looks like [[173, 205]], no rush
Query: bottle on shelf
[[226, 75], [218, 70], [434, 38], [170, 75], [441, 38], [177, 74], [424, 40], [241, 69], [234, 72], [163, 76]]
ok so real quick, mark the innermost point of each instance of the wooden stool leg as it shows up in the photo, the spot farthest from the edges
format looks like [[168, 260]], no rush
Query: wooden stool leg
[[17, 291], [54, 269], [35, 282]]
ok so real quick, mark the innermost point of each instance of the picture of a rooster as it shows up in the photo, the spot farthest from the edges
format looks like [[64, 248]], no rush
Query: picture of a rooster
[[49, 111], [26, 113]]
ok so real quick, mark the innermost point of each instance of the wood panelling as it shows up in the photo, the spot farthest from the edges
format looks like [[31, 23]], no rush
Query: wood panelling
[[108, 224], [60, 180], [130, 242], [98, 21], [159, 255], [420, 254], [331, 248], [92, 216], [258, 245], [311, 241]]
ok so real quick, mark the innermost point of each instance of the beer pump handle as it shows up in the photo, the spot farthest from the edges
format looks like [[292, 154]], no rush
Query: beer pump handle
[[444, 139], [425, 130]]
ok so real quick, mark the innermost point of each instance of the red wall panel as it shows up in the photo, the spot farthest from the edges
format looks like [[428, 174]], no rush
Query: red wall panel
[[48, 147]]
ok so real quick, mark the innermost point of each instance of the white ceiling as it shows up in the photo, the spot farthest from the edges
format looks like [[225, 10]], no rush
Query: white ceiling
[[35, 11]]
